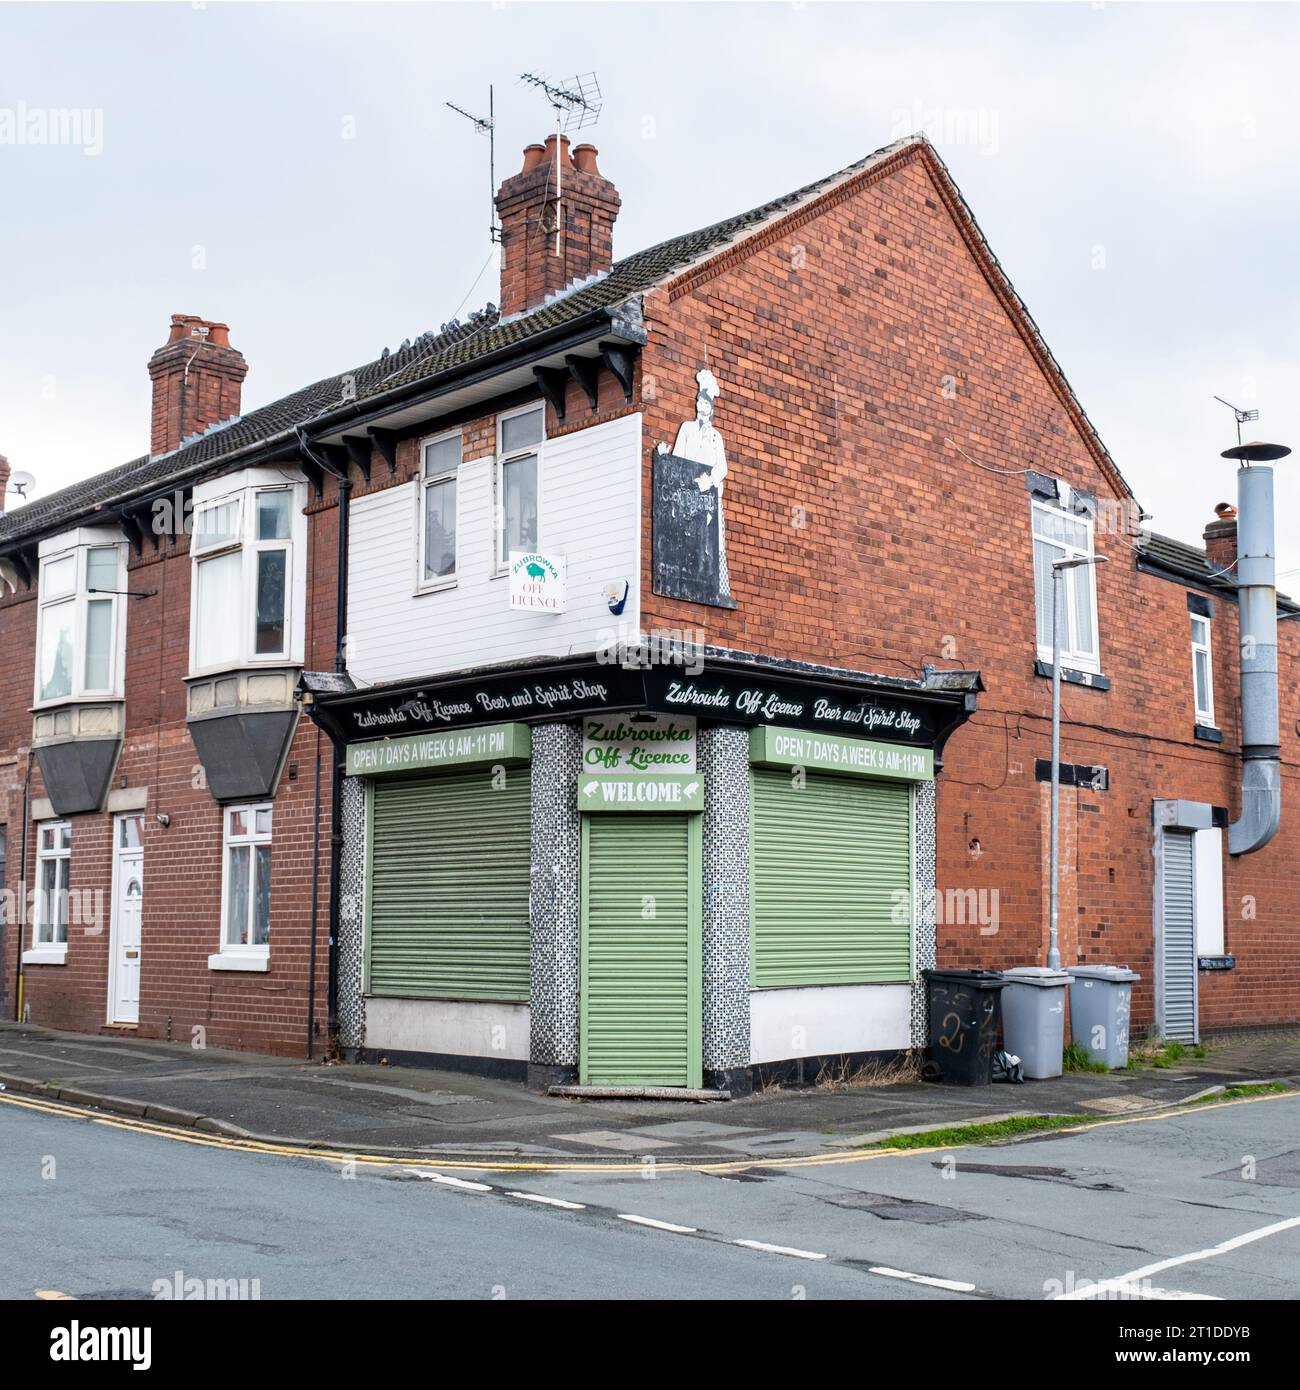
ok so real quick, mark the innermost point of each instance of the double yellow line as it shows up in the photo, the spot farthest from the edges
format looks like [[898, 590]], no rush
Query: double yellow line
[[480, 1165]]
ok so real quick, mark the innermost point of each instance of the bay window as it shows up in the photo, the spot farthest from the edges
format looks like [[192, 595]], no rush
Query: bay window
[[1062, 535], [518, 484], [81, 638], [439, 471], [248, 552]]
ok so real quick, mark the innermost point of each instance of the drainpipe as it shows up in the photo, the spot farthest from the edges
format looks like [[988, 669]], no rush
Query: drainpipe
[[1261, 750], [24, 895], [336, 782]]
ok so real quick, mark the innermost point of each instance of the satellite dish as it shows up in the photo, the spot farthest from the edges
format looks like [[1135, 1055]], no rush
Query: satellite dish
[[21, 483]]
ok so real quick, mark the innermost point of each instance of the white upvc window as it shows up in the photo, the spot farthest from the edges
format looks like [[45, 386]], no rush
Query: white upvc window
[[520, 438], [1202, 670], [248, 549], [53, 861], [245, 889], [1063, 535], [81, 638], [439, 470]]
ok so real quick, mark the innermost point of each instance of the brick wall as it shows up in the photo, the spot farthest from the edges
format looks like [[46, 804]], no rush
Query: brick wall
[[850, 350], [181, 998]]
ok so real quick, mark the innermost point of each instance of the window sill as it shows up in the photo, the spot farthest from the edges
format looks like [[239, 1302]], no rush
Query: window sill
[[1207, 733], [1094, 679], [230, 960], [46, 955], [439, 588]]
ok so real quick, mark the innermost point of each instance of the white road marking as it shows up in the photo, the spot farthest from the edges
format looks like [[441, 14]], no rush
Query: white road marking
[[1136, 1276], [1168, 1295], [547, 1201], [659, 1225], [779, 1249], [54, 1295], [954, 1285], [460, 1183]]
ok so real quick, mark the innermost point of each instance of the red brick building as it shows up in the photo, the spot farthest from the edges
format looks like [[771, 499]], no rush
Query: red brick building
[[549, 566]]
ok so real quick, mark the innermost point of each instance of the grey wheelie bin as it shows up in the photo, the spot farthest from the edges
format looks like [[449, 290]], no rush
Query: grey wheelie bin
[[1033, 1018], [1101, 1005]]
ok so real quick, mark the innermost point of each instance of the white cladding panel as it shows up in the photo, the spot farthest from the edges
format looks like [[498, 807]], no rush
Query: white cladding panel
[[590, 515], [819, 1021]]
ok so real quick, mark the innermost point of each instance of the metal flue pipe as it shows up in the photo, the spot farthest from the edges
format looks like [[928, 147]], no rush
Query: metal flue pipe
[[1261, 752]]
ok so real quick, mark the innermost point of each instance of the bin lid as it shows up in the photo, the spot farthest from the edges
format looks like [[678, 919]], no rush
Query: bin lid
[[1116, 974], [980, 979], [1040, 975]]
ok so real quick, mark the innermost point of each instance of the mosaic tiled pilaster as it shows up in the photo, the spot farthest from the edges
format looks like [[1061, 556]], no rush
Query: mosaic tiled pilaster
[[351, 927], [923, 897], [724, 764], [555, 903]]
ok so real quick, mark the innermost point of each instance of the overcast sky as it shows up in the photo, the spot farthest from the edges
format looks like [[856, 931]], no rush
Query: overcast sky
[[291, 170]]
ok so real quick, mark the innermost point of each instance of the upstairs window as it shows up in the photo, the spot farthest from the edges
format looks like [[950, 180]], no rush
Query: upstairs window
[[519, 461], [81, 638], [441, 465], [1202, 671], [248, 551], [1062, 535]]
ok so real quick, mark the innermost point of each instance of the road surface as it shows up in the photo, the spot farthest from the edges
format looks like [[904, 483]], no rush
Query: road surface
[[1203, 1204]]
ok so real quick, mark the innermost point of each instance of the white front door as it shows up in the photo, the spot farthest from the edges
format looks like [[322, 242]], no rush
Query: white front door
[[124, 979]]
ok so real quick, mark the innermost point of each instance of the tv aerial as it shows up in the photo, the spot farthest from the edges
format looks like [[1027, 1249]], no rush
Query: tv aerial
[[486, 125], [577, 104], [1244, 417]]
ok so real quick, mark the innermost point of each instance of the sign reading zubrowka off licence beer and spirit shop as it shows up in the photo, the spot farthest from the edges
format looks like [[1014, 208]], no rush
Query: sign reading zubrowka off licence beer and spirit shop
[[638, 743]]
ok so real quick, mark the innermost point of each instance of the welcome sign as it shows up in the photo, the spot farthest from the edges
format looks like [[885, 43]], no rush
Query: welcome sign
[[659, 791], [638, 743]]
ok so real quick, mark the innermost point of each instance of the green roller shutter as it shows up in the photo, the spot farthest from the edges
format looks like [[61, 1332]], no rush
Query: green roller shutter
[[448, 886], [641, 950], [831, 880], [1178, 946]]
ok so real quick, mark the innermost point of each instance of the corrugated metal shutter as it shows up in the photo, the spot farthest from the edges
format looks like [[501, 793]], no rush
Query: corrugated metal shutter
[[448, 899], [1178, 955], [640, 974], [831, 880]]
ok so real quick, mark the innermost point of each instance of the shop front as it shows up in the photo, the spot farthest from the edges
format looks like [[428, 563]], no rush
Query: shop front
[[638, 876]]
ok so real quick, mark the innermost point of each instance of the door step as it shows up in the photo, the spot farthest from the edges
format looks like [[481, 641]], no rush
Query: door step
[[636, 1093]]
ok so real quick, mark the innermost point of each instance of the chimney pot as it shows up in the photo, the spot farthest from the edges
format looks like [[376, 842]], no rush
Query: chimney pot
[[533, 156], [584, 159]]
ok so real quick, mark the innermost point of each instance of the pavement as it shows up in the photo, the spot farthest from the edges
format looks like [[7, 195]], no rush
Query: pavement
[[426, 1114]]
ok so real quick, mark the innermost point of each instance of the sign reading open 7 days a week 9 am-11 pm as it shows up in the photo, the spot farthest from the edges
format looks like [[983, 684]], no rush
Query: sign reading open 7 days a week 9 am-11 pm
[[830, 753], [493, 743]]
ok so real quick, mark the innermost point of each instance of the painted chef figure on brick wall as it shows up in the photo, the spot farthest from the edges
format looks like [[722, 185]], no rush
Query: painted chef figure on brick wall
[[700, 442]]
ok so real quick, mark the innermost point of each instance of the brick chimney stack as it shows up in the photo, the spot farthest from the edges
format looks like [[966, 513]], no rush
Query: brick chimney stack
[[196, 377], [531, 269], [4, 481], [1221, 538]]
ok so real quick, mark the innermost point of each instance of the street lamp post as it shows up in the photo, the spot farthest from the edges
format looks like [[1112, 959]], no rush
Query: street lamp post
[[1053, 938]]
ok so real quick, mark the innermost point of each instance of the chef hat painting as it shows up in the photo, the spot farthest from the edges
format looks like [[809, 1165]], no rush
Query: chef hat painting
[[708, 384]]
